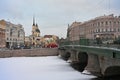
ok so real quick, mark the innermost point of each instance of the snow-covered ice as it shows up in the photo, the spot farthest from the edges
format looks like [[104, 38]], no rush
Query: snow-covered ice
[[38, 68]]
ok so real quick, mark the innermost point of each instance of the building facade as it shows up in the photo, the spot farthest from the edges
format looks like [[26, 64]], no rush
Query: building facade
[[14, 34], [73, 31], [105, 27], [28, 41], [2, 35], [49, 41]]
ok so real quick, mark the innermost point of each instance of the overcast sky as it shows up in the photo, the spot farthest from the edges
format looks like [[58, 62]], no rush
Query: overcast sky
[[53, 16]]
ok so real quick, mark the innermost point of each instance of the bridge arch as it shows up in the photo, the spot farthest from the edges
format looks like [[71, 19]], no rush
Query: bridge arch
[[83, 60], [67, 55], [112, 71]]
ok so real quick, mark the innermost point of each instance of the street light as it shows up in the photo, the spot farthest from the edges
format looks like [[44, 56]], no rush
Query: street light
[[98, 40]]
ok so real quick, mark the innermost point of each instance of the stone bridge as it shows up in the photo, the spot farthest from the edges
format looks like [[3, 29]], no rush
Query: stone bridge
[[29, 52], [98, 60]]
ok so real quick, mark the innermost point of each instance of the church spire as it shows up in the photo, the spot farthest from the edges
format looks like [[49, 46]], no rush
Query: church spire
[[33, 21], [36, 25]]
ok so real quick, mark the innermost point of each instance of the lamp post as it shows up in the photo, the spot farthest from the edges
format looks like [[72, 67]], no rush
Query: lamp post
[[98, 40]]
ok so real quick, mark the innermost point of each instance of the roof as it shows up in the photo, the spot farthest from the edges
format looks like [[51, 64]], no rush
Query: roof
[[37, 30]]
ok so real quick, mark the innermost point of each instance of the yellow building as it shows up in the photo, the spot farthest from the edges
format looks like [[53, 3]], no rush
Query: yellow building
[[2, 34], [35, 37]]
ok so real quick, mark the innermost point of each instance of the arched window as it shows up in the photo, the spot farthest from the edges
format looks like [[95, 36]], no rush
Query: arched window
[[115, 29], [101, 23], [33, 38], [118, 30], [106, 23], [110, 22], [106, 30]]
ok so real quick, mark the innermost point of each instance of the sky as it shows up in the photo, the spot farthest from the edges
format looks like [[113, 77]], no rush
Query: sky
[[39, 68], [53, 16]]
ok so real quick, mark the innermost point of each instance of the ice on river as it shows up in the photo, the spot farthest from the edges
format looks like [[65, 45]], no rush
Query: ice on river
[[39, 68]]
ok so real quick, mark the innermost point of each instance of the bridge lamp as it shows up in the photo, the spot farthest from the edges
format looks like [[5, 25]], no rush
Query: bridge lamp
[[98, 40]]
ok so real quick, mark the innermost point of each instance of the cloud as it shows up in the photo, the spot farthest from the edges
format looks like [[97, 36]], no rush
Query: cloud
[[56, 30], [12, 8], [55, 14]]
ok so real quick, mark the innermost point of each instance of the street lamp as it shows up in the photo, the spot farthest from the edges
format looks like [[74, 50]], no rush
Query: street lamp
[[98, 40]]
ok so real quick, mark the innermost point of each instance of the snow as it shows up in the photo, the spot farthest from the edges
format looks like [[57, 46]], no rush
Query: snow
[[39, 68]]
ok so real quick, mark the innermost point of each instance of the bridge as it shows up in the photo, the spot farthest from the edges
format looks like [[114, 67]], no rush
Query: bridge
[[103, 61]]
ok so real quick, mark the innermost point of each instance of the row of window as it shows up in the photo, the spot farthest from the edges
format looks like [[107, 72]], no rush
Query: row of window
[[108, 30], [105, 30], [1, 33], [15, 35], [106, 23], [15, 39], [12, 30]]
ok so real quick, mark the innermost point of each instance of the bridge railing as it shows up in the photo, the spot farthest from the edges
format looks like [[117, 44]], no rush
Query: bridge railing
[[99, 50], [92, 42]]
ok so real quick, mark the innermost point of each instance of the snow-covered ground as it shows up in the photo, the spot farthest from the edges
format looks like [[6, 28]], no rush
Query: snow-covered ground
[[38, 68]]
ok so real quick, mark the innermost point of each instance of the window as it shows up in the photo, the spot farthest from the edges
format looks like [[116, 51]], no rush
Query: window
[[106, 23], [114, 29], [33, 38], [101, 23], [110, 29], [98, 30], [118, 30], [118, 22], [98, 24], [106, 30], [110, 22], [102, 30]]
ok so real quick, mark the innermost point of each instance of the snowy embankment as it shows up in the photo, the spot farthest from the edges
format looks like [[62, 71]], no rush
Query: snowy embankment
[[38, 68]]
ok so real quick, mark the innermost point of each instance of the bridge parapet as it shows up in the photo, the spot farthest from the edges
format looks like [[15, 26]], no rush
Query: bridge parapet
[[105, 51], [109, 66]]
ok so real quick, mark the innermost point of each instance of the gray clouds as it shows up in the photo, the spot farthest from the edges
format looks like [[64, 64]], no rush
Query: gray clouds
[[55, 14]]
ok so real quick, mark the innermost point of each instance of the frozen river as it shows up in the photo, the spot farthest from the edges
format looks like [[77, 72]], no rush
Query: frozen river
[[39, 68]]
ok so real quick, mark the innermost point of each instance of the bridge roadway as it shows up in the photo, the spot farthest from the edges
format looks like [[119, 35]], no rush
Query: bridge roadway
[[103, 61]]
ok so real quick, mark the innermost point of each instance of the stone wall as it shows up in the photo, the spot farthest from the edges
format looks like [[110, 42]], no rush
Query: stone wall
[[29, 52], [93, 65], [109, 66]]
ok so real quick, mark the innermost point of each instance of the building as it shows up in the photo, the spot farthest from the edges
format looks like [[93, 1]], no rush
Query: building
[[28, 41], [49, 41], [106, 28], [14, 34], [35, 37], [73, 31], [2, 34]]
